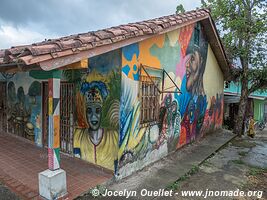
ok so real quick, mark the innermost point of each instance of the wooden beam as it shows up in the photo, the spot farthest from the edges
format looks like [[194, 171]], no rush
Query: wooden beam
[[77, 65]]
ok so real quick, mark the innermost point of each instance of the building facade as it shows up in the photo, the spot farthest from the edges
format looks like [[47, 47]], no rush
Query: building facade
[[124, 105], [257, 103]]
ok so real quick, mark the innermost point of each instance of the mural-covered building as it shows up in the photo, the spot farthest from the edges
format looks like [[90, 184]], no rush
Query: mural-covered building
[[121, 97]]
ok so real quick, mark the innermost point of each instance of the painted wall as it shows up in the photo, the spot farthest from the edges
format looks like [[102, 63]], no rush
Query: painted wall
[[97, 107], [183, 117], [259, 109], [257, 97], [235, 88], [24, 105]]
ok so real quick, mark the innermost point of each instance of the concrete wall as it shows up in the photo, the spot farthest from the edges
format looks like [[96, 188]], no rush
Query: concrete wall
[[183, 117]]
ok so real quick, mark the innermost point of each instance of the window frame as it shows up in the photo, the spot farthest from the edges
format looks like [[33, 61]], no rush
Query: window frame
[[149, 100]]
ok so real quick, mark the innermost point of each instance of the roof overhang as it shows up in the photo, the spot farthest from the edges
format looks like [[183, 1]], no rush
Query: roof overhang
[[54, 54], [236, 96]]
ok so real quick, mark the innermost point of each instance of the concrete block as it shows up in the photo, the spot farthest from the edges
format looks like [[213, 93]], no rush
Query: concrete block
[[52, 184]]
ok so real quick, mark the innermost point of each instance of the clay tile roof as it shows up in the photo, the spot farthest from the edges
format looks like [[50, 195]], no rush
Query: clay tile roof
[[86, 45], [2, 54]]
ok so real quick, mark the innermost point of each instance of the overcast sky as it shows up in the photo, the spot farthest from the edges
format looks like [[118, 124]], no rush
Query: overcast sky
[[28, 21]]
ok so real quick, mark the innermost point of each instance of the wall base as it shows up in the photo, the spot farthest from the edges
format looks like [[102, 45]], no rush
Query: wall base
[[52, 184]]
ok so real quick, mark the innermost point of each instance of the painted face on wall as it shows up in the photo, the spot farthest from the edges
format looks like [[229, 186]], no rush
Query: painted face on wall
[[95, 93], [93, 115], [192, 70]]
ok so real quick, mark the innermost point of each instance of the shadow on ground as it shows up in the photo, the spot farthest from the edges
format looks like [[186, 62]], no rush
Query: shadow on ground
[[6, 194]]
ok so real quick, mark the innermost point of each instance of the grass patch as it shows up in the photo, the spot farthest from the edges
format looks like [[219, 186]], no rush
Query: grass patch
[[243, 153], [93, 193], [176, 184], [207, 163], [238, 162], [254, 171], [243, 143]]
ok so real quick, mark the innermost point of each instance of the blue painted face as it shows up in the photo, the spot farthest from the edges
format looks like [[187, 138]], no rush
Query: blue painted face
[[93, 115]]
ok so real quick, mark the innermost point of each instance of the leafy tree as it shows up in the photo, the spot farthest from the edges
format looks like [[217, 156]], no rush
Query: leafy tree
[[243, 27], [180, 9]]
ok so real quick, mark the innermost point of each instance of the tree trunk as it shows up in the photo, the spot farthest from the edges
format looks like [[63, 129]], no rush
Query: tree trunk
[[239, 121]]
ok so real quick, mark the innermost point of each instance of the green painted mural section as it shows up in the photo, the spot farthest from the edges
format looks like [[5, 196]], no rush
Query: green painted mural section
[[40, 74]]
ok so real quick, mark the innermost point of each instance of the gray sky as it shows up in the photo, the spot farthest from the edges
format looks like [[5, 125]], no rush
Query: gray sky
[[28, 21]]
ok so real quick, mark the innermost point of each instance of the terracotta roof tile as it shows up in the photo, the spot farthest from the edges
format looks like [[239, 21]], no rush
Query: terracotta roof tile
[[84, 39], [103, 34], [116, 31], [80, 42]]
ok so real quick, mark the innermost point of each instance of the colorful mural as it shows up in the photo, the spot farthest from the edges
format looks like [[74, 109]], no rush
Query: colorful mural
[[54, 123], [183, 117], [192, 100], [108, 131], [97, 96], [24, 106]]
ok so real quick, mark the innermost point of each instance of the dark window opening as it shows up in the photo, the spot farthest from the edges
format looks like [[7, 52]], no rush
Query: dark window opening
[[227, 84]]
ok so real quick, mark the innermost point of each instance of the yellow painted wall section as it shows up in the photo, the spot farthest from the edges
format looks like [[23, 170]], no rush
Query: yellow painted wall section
[[213, 77], [145, 57]]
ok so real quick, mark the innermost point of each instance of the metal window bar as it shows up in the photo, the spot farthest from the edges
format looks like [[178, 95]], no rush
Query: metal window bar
[[163, 79], [66, 117], [150, 93], [149, 99]]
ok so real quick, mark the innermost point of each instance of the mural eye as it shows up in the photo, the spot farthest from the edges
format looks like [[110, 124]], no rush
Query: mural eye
[[98, 110], [89, 110]]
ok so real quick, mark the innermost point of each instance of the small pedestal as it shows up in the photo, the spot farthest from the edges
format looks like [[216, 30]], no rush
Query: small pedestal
[[52, 184]]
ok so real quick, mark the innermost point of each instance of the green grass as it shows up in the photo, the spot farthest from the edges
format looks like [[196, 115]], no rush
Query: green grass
[[238, 162], [243, 143], [207, 163], [176, 184], [254, 171], [243, 153]]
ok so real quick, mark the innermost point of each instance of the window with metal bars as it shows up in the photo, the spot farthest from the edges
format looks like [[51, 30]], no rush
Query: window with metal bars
[[149, 96]]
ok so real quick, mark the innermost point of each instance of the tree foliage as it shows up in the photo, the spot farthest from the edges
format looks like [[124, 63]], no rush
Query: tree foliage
[[242, 26], [179, 9]]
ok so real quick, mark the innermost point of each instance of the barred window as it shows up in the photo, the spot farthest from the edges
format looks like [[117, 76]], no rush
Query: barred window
[[149, 96]]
